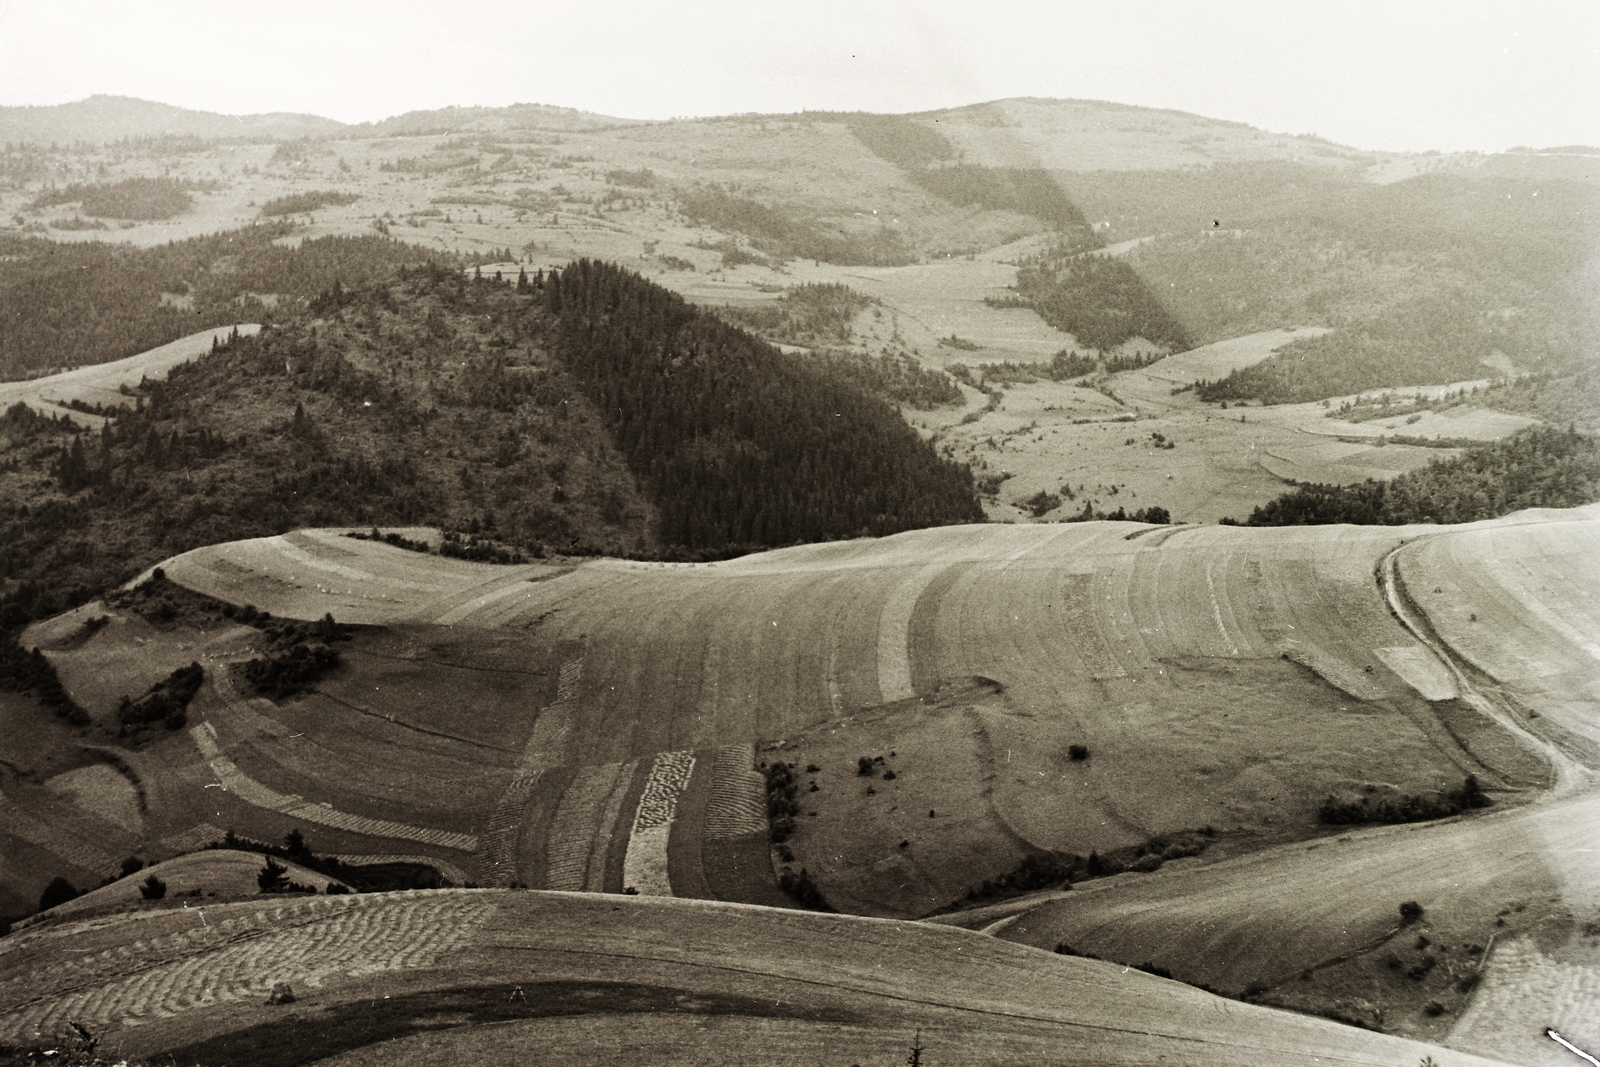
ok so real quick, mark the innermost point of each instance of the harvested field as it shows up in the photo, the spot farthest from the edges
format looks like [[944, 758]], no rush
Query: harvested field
[[1169, 655], [240, 952], [645, 867], [453, 961], [295, 807]]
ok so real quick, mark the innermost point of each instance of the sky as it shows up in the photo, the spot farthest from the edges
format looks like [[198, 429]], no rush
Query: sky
[[1399, 75]]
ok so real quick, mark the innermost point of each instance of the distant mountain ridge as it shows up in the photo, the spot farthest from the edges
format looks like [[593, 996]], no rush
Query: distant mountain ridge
[[103, 118], [111, 118]]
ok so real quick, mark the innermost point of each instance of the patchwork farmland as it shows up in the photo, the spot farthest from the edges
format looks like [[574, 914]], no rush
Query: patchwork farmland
[[601, 727]]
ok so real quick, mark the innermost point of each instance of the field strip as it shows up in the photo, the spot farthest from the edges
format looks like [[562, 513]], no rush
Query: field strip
[[1216, 613], [497, 863], [243, 957], [544, 751], [577, 826], [1421, 670], [449, 870], [645, 866], [594, 878], [1522, 985], [1516, 578], [257, 795], [193, 839], [513, 586], [738, 794], [894, 633], [52, 839], [1080, 622]]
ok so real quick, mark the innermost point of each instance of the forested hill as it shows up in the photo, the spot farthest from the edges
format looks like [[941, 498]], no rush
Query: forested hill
[[592, 412], [72, 304], [736, 442], [1541, 467]]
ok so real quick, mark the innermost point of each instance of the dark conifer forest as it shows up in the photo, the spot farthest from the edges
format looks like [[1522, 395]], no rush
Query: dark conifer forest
[[737, 442], [583, 412]]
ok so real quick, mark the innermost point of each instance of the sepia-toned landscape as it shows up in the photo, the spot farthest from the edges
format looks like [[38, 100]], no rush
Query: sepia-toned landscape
[[1044, 581]]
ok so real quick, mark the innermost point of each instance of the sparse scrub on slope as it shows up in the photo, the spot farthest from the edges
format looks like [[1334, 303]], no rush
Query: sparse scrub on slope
[[1100, 301], [809, 314], [300, 654], [66, 304], [30, 672], [134, 199], [785, 234]]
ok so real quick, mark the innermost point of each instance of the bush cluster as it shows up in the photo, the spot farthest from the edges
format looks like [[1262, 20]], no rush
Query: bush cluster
[[391, 538], [1413, 807], [167, 701], [31, 672], [301, 652], [781, 804]]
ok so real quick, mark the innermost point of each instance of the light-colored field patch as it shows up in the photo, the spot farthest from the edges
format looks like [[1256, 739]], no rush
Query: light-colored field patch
[[1521, 984], [247, 789], [100, 791], [1218, 360], [894, 633], [1421, 669], [645, 866], [100, 383]]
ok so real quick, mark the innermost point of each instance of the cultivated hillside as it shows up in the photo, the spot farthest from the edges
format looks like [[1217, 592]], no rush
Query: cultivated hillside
[[1055, 702], [479, 976]]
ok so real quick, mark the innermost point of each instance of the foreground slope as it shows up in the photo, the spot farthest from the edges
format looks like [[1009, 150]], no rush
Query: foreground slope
[[419, 976], [599, 725]]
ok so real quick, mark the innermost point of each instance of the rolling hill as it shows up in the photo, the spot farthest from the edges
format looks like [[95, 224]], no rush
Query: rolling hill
[[474, 976], [500, 558], [1222, 681]]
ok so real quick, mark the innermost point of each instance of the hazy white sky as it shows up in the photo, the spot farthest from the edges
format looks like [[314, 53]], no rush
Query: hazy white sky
[[1385, 74]]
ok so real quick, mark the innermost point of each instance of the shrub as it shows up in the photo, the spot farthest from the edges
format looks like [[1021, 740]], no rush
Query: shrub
[[153, 888], [1410, 911], [781, 805], [273, 877], [864, 765], [803, 890], [59, 891], [1078, 752]]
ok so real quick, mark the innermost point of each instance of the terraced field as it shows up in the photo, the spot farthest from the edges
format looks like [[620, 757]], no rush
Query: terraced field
[[417, 976]]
